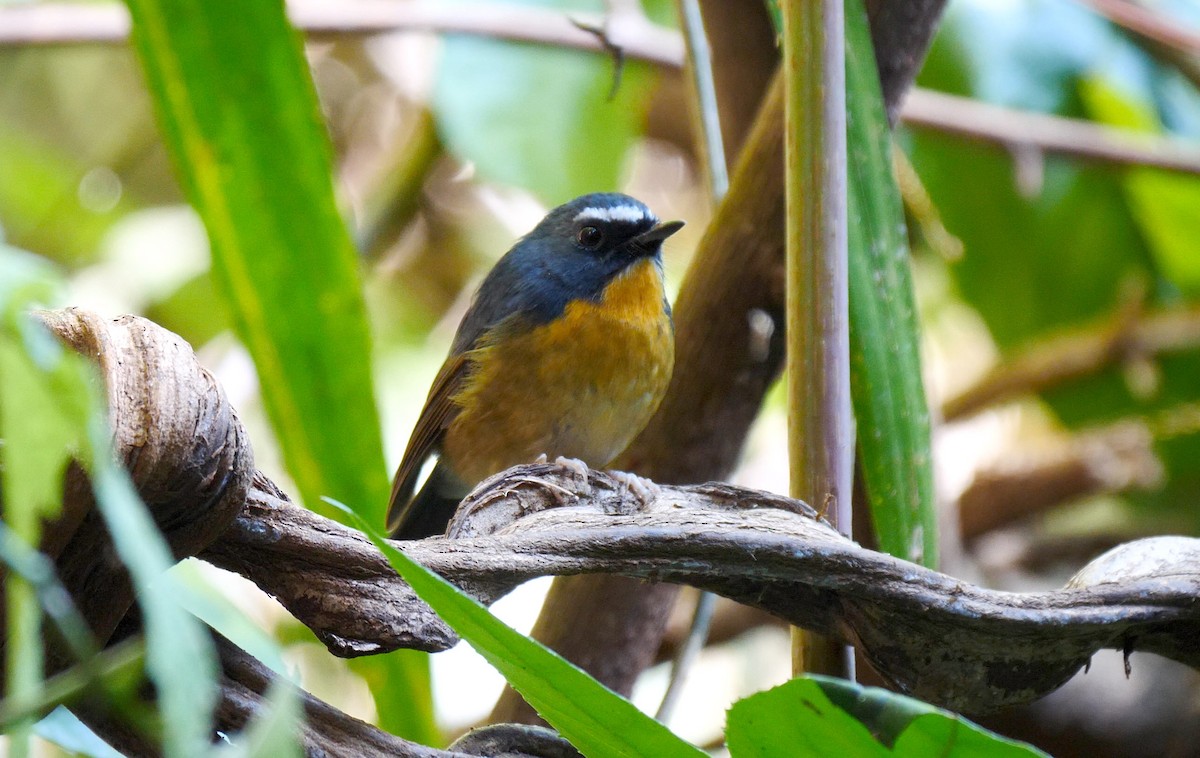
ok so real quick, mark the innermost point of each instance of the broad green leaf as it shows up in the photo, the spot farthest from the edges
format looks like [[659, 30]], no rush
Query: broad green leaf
[[1093, 243], [820, 716], [1164, 202], [1036, 257], [1164, 205], [539, 117], [795, 720], [950, 735], [236, 105], [915, 729], [885, 369], [593, 718]]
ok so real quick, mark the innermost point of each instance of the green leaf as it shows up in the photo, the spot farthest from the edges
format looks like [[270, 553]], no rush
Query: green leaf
[[211, 605], [43, 384], [236, 105], [593, 718], [1036, 256], [795, 720], [179, 653], [64, 729], [44, 399], [885, 360], [917, 729], [403, 694], [1164, 202], [539, 117], [820, 716]]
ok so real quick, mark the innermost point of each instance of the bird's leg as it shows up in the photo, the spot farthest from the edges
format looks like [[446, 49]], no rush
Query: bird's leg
[[645, 490]]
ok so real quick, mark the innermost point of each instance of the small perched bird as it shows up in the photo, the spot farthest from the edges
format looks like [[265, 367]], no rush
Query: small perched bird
[[566, 350]]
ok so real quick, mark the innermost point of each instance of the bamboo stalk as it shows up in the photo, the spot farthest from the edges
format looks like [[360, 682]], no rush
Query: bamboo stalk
[[820, 420]]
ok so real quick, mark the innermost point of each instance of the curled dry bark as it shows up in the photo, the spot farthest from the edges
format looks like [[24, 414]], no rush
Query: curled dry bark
[[175, 432], [943, 640]]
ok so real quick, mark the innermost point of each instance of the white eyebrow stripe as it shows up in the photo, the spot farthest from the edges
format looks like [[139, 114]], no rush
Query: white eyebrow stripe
[[615, 213]]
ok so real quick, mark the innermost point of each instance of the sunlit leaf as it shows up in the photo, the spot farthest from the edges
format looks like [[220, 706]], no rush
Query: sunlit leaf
[[820, 716], [235, 102], [796, 720], [236, 105]]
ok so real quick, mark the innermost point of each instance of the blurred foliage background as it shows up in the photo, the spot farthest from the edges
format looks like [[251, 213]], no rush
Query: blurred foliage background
[[448, 148]]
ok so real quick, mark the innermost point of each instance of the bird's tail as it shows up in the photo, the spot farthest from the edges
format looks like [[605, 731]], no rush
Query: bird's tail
[[430, 510]]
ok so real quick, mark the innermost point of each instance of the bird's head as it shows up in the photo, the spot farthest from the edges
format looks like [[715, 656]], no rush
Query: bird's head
[[574, 253], [581, 246], [609, 229]]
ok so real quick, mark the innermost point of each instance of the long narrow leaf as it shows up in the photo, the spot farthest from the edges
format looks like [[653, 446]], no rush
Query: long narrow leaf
[[886, 387], [596, 720], [236, 104]]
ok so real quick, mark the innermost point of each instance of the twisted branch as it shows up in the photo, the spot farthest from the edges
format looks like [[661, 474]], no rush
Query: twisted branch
[[941, 639]]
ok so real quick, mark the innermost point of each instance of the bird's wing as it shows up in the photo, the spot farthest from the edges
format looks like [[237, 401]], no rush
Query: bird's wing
[[437, 414]]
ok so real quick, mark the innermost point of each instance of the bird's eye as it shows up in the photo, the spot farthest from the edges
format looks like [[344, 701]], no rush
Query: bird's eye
[[590, 237]]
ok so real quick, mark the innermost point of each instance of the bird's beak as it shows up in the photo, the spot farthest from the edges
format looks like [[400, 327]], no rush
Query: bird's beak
[[654, 237]]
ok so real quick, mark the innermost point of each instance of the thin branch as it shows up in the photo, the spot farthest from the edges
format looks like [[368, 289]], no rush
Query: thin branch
[[689, 651], [704, 85], [1052, 134], [1113, 460], [74, 23], [1078, 354], [1148, 23], [704, 89], [69, 23], [1156, 34]]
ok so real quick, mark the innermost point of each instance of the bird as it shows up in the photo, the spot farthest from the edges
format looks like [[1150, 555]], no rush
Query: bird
[[565, 351]]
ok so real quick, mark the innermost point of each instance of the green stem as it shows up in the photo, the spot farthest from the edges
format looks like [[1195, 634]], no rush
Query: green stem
[[820, 421]]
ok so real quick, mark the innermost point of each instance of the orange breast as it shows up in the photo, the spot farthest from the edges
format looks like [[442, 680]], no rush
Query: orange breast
[[581, 386]]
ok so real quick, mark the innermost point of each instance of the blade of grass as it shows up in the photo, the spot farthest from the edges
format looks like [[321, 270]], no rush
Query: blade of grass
[[179, 653], [885, 377], [39, 428], [593, 718]]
